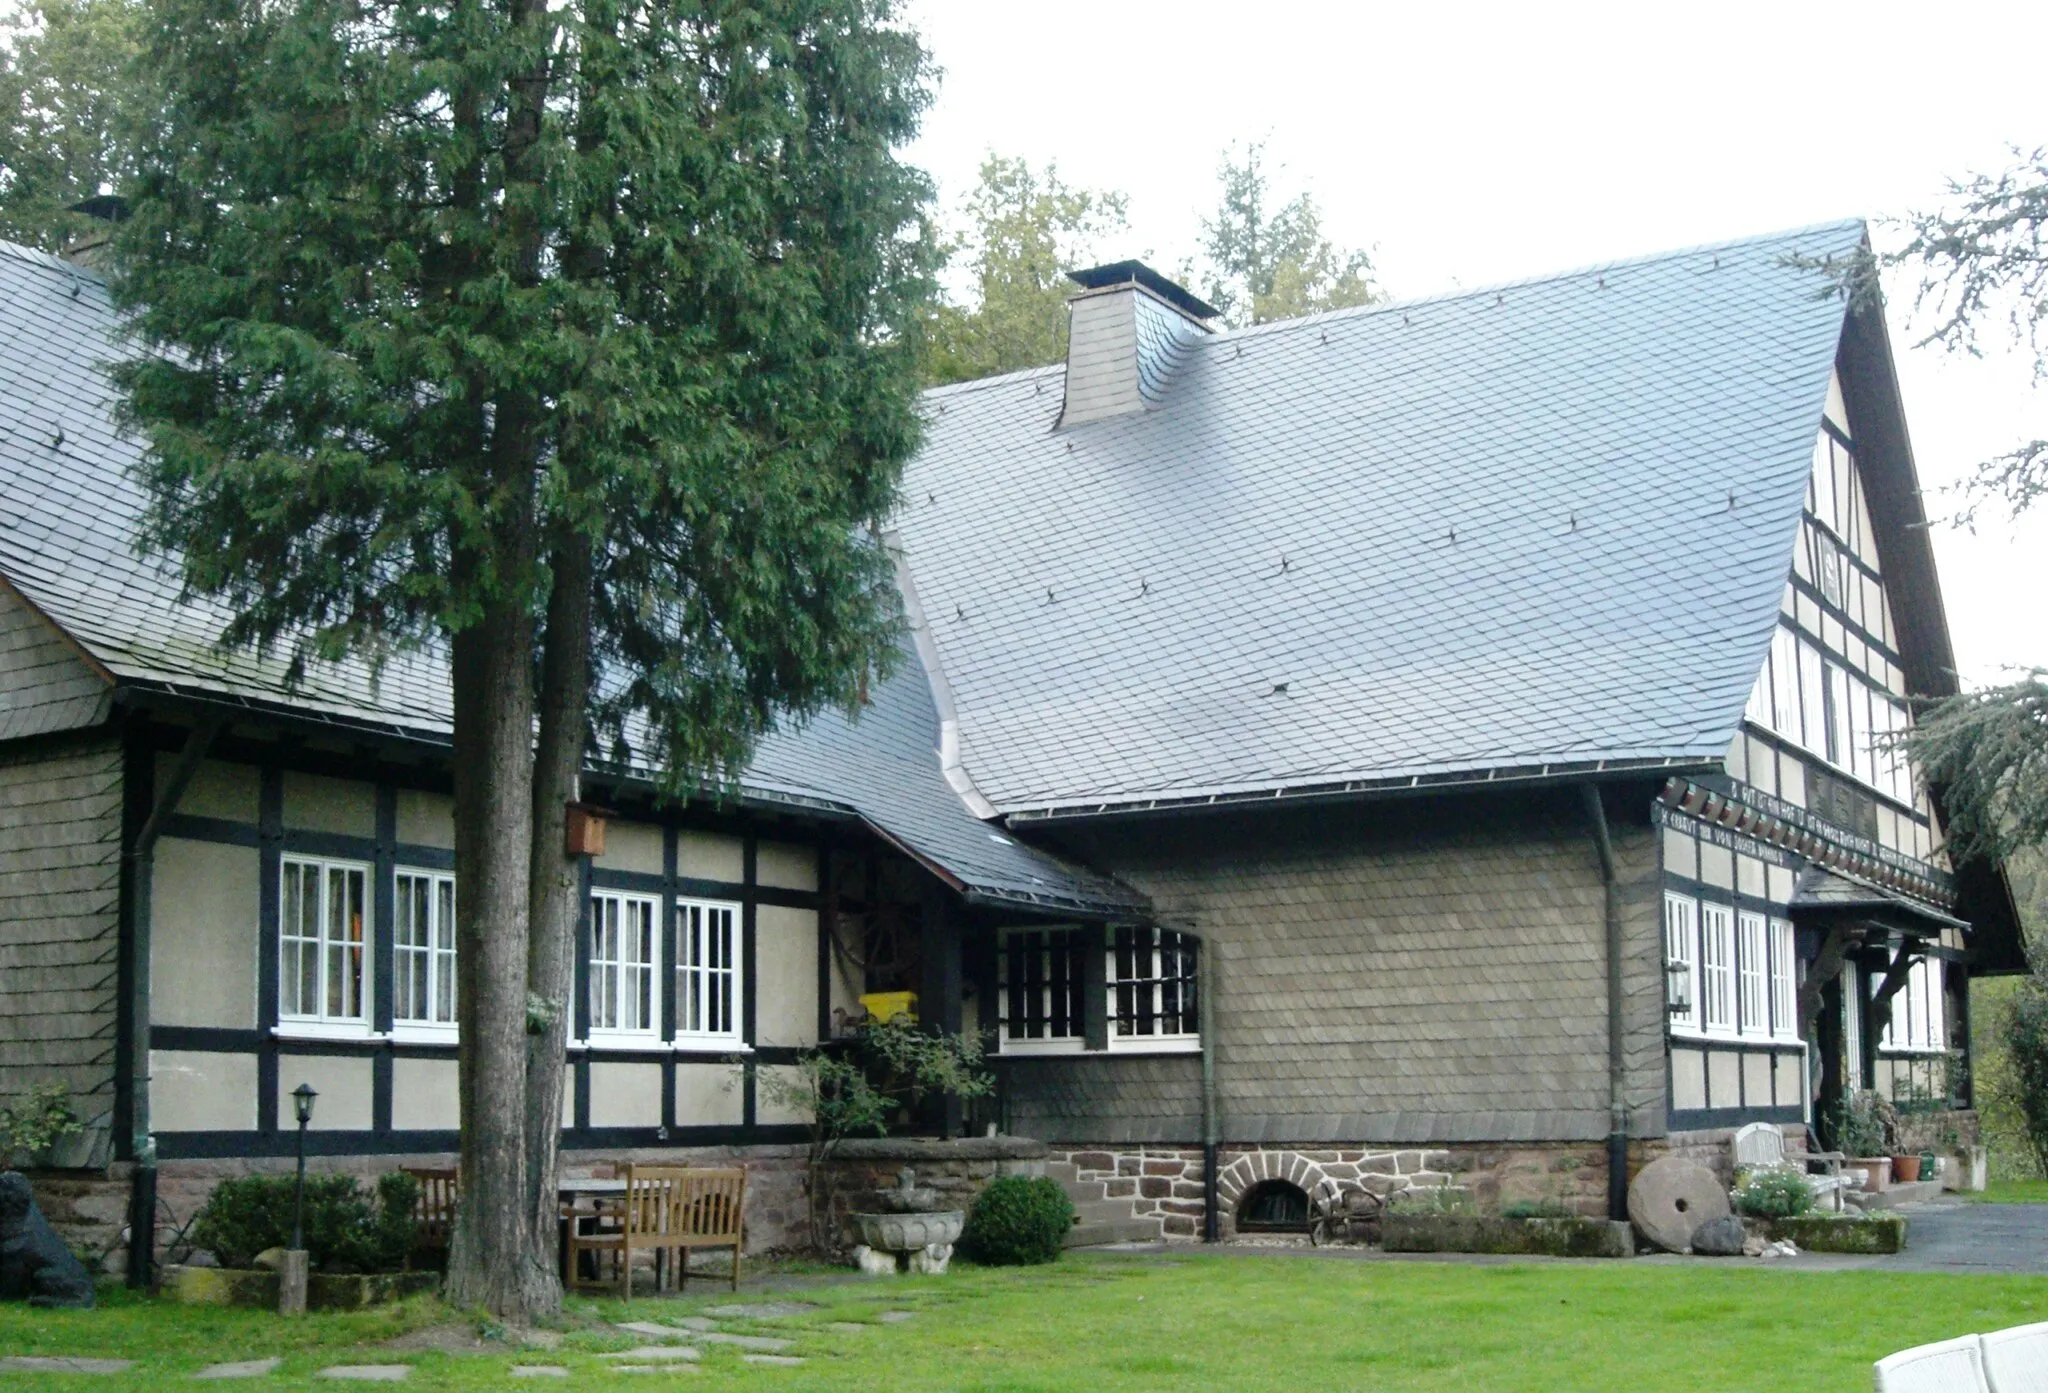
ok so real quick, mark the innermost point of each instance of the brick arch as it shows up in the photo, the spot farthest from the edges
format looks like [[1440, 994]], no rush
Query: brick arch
[[1249, 1169]]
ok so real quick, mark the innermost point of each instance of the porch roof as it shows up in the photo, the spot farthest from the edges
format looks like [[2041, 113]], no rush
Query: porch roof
[[1829, 897]]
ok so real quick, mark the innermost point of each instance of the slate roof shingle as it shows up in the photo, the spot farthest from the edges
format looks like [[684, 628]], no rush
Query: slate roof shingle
[[1543, 524], [70, 513]]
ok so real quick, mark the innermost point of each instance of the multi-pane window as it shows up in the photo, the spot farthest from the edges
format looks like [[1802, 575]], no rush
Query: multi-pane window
[[1919, 1019], [1717, 967], [323, 941], [624, 941], [1682, 980], [707, 971], [423, 938], [1152, 986], [1751, 959], [1784, 982], [1039, 980]]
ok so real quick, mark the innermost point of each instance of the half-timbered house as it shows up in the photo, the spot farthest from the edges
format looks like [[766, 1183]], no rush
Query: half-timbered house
[[1442, 738]]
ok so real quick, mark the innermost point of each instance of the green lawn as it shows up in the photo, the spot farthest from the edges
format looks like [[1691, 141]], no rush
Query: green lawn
[[2012, 1192], [1200, 1322]]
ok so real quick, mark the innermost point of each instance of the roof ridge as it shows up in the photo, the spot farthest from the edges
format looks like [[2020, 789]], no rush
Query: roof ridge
[[48, 261], [975, 384], [1544, 278]]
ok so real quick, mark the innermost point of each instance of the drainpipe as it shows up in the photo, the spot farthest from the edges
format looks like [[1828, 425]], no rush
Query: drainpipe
[[1617, 1071], [1205, 1021], [141, 869]]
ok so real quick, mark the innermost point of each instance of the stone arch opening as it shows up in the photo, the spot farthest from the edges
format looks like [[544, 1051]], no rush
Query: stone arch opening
[[1274, 1206]]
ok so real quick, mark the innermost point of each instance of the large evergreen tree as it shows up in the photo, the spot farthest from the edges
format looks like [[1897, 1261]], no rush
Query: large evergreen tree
[[573, 340]]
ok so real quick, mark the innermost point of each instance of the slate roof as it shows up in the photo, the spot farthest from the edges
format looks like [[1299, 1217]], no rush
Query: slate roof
[[1543, 525], [69, 515]]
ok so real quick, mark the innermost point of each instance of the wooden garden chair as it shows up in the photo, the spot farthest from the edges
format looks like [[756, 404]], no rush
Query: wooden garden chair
[[642, 1220], [434, 1216], [710, 1213]]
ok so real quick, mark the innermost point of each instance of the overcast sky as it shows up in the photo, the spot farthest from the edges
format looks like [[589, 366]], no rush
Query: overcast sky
[[1469, 143]]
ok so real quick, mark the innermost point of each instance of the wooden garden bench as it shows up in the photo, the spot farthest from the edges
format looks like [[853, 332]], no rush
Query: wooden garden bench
[[1761, 1147]]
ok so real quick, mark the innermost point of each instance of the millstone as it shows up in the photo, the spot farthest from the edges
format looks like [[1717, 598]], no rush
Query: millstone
[[1671, 1197]]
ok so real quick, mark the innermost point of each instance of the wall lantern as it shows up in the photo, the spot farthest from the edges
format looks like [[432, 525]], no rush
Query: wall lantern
[[1678, 988]]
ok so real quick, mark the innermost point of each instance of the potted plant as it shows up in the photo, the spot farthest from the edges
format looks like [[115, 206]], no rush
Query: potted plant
[[1862, 1132]]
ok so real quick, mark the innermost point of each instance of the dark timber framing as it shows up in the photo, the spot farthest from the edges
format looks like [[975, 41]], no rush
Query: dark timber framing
[[387, 775]]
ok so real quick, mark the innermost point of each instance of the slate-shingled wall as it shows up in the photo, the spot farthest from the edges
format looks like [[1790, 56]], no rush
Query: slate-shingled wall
[[1405, 974], [60, 879], [45, 685]]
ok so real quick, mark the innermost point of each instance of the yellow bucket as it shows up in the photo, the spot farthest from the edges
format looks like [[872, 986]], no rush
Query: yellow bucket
[[887, 1006]]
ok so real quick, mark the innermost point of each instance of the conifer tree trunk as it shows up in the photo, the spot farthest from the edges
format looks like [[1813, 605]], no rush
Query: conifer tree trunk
[[491, 668], [555, 895]]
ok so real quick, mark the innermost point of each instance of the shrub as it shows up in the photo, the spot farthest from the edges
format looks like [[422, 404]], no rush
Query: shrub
[[37, 1121], [1536, 1209], [345, 1231], [1442, 1199], [1774, 1195], [2024, 1033], [1016, 1222]]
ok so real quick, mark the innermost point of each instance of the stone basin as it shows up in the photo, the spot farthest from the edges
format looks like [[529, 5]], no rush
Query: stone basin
[[907, 1233]]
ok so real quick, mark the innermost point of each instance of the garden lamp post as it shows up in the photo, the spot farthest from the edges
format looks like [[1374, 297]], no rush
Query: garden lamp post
[[291, 1273]]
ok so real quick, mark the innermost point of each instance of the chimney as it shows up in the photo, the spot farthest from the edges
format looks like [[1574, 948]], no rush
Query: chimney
[[89, 248], [1128, 329]]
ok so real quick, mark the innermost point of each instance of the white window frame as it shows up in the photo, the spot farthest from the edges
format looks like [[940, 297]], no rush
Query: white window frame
[[1919, 1019], [711, 1003], [437, 953], [1148, 976], [1075, 945], [1752, 953], [1717, 968], [1681, 946], [1784, 981], [329, 950], [631, 921]]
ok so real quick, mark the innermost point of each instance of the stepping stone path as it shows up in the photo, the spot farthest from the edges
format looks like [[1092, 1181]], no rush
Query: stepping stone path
[[62, 1364], [762, 1310], [655, 1352], [772, 1358], [896, 1317], [654, 1330], [369, 1373], [539, 1371], [691, 1323], [847, 1327], [245, 1368], [654, 1368], [760, 1342]]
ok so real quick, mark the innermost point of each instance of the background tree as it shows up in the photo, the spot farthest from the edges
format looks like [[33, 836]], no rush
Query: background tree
[[571, 343], [1025, 230], [1983, 269], [1267, 263], [70, 94]]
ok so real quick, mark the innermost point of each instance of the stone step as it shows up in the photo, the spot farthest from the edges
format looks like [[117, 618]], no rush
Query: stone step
[[1120, 1231], [1892, 1196], [1066, 1172], [1106, 1211]]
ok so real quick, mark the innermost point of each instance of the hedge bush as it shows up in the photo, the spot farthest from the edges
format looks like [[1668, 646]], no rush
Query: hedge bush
[[346, 1229], [1017, 1221]]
